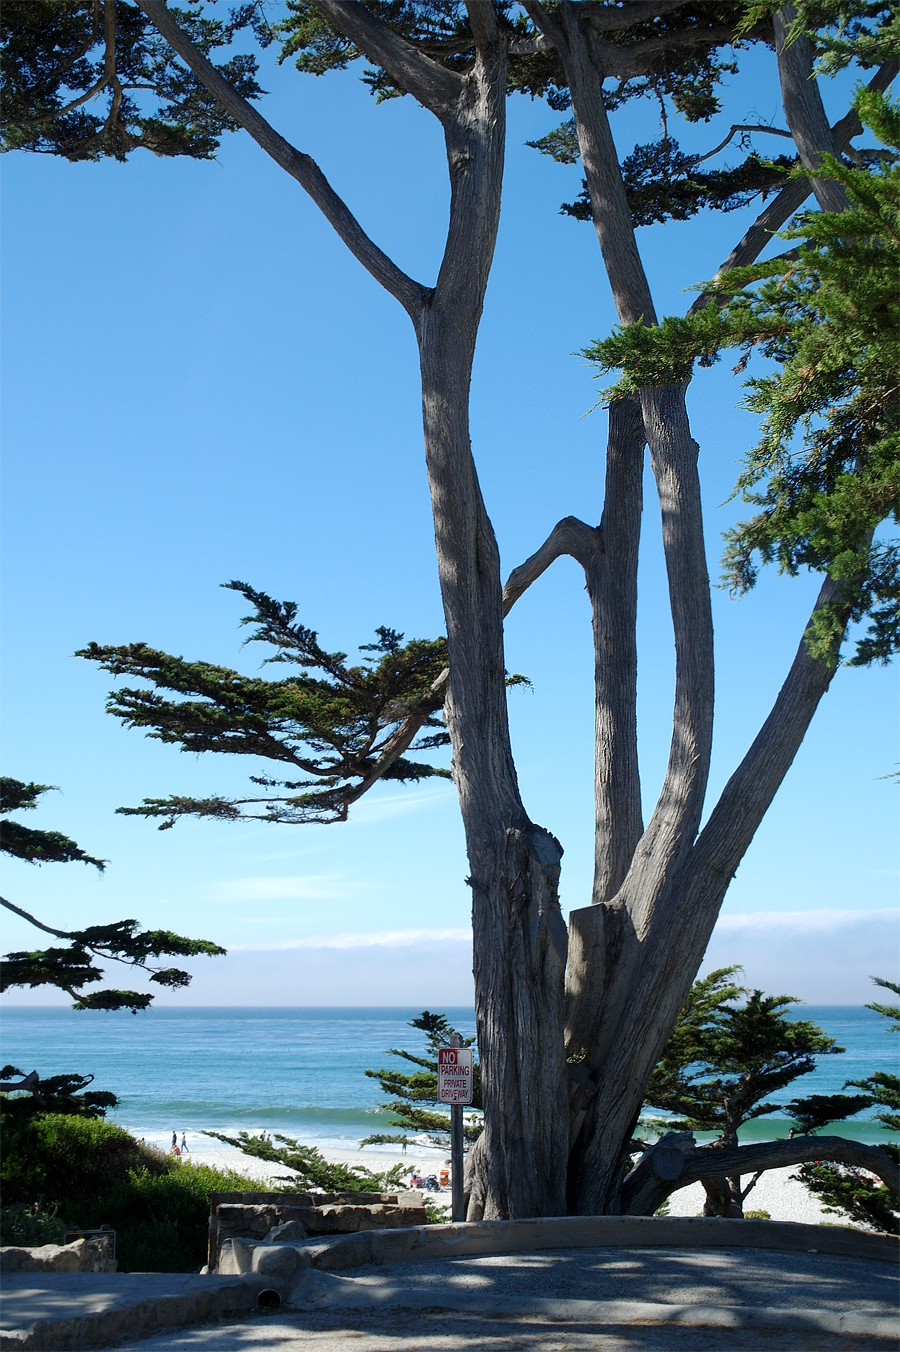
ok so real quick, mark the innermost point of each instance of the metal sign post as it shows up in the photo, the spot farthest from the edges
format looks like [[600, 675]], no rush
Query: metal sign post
[[455, 1087]]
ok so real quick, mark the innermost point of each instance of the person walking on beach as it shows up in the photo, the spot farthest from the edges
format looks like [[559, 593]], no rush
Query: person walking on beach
[[184, 1144], [174, 1140]]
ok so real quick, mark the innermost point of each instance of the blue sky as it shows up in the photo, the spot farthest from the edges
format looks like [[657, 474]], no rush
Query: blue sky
[[202, 384]]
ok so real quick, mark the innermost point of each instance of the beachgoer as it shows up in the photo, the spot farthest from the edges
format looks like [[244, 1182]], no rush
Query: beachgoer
[[184, 1144], [403, 1148], [174, 1140]]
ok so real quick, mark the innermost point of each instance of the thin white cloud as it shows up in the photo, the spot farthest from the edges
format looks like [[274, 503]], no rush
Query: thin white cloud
[[370, 939], [385, 807], [312, 887], [804, 921]]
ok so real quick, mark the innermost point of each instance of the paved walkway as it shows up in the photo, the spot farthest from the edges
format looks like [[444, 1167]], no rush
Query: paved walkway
[[605, 1300], [402, 1331], [749, 1278]]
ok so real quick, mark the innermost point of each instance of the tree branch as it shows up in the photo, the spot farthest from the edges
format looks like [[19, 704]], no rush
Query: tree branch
[[435, 87], [59, 934], [803, 106], [638, 59], [668, 1167], [606, 19], [569, 536], [609, 205], [612, 589], [749, 792], [483, 18], [402, 739], [772, 131], [411, 294], [794, 194]]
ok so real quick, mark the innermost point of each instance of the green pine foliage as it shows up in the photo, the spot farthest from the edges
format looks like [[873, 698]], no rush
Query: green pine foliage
[[67, 1095], [72, 967], [725, 1058], [313, 1170], [662, 183], [336, 728], [825, 475], [866, 32], [413, 1097], [24, 842], [85, 80], [88, 80], [850, 1192]]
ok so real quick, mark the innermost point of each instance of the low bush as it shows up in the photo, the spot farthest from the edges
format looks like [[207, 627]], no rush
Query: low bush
[[161, 1220], [24, 1225], [50, 1158], [82, 1173]]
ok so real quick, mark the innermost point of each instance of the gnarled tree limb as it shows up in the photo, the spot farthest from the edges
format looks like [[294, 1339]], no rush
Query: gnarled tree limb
[[435, 87], [411, 294], [569, 536], [794, 193], [664, 1170]]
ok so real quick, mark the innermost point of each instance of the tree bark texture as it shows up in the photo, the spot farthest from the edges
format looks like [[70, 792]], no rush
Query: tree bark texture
[[803, 107], [519, 933], [612, 590]]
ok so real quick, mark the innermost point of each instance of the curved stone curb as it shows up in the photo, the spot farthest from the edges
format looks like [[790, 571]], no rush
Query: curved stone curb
[[577, 1232], [127, 1308], [320, 1290]]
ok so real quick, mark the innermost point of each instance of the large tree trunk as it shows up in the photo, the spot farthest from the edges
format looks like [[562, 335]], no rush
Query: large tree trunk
[[519, 933]]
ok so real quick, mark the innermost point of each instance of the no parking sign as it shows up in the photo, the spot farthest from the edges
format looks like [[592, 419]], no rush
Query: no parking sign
[[455, 1075]]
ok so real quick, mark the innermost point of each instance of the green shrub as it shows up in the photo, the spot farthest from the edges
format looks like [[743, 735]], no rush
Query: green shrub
[[88, 1173], [161, 1220], [56, 1158], [850, 1192], [21, 1224]]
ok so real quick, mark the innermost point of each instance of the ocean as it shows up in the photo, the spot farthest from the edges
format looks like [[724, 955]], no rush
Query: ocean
[[301, 1072]]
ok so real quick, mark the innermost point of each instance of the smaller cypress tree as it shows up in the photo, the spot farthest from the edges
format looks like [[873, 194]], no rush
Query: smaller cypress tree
[[723, 1061], [414, 1100]]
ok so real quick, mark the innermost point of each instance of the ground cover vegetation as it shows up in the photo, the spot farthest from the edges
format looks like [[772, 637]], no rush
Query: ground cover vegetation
[[589, 1011], [65, 1168]]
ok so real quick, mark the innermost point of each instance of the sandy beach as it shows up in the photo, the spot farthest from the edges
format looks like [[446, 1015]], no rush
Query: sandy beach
[[777, 1192]]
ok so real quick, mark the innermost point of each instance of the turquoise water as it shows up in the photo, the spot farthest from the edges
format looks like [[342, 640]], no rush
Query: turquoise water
[[301, 1071]]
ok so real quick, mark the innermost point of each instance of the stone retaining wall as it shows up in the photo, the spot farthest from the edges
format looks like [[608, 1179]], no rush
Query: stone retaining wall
[[83, 1255], [253, 1216]]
